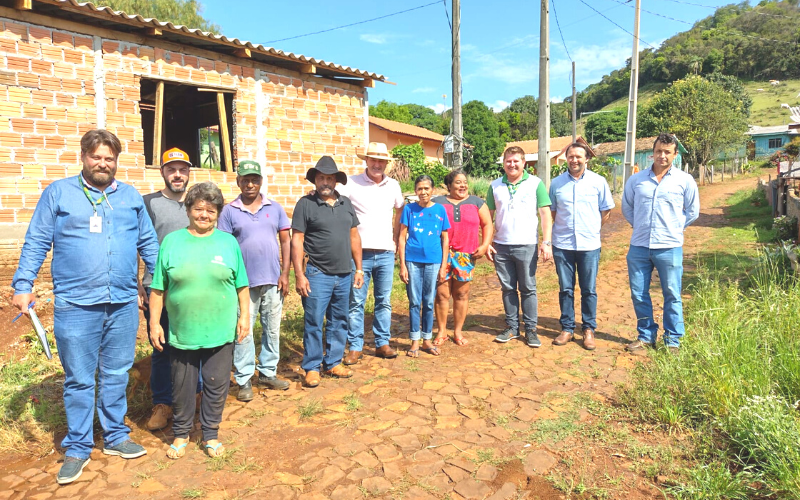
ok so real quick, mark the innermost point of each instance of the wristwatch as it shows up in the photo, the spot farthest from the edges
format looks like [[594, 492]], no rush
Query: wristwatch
[[546, 243]]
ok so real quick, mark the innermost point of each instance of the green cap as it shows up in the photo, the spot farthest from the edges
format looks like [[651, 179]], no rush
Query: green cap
[[248, 167]]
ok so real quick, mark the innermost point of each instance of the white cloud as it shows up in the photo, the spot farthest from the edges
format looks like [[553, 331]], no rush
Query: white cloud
[[498, 106], [378, 39], [593, 61], [556, 99], [423, 90], [439, 108]]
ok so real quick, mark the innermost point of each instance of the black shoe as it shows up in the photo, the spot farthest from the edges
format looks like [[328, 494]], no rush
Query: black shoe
[[245, 392], [71, 470], [508, 334], [532, 339], [273, 383]]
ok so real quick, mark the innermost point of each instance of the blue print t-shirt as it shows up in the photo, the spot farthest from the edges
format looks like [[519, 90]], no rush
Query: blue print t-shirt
[[425, 226]]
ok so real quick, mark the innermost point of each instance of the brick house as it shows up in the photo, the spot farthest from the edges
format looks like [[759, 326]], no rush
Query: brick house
[[394, 133], [67, 67]]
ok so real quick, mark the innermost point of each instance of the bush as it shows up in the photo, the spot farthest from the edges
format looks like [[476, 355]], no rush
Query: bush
[[786, 228], [479, 186], [411, 159]]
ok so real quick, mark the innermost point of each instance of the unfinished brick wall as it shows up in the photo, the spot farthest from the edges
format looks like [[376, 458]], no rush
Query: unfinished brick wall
[[49, 81]]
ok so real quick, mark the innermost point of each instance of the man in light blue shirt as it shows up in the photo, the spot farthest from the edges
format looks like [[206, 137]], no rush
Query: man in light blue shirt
[[581, 204], [659, 202], [97, 228]]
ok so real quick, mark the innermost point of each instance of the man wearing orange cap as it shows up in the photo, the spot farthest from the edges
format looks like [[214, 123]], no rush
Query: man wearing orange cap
[[168, 214]]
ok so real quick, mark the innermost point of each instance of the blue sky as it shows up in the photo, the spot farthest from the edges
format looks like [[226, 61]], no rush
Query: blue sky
[[499, 41]]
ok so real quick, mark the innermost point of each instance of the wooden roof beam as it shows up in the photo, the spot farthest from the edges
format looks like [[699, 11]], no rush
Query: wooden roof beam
[[308, 69], [245, 52], [154, 31], [23, 4]]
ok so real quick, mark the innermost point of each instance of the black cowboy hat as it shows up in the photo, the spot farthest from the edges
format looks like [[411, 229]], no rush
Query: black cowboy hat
[[326, 166]]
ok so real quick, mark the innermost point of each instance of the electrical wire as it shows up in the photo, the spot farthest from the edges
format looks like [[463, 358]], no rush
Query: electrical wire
[[553, 2], [615, 24], [754, 11], [447, 15], [355, 24]]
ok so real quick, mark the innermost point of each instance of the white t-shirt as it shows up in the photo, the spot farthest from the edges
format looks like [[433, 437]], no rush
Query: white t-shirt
[[374, 204]]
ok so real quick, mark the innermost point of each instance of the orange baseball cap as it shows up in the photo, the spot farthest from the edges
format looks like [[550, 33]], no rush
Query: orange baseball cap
[[174, 154]]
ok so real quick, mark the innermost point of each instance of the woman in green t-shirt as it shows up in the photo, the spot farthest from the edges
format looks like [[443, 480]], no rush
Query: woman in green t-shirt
[[200, 278]]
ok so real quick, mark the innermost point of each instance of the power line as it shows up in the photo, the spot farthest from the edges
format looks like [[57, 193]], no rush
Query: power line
[[553, 3], [754, 11], [356, 23], [447, 15], [654, 13], [615, 24]]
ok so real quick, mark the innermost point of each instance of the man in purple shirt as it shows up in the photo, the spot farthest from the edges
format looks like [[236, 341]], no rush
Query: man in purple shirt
[[258, 223]]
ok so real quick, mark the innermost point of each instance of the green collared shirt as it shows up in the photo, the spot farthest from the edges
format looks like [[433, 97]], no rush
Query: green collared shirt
[[542, 197]]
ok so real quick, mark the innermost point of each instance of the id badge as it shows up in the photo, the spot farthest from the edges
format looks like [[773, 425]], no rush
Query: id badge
[[95, 224]]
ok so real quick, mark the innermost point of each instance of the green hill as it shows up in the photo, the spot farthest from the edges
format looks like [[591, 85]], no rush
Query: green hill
[[767, 102]]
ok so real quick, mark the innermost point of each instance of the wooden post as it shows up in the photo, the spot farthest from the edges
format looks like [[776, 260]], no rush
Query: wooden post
[[723, 170], [223, 131], [158, 123]]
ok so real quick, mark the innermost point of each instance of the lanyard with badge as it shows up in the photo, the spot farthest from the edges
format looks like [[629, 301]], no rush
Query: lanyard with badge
[[95, 221]]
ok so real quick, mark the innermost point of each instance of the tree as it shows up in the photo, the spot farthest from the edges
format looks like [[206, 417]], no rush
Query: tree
[[425, 117], [702, 114], [184, 12], [607, 127], [482, 131], [391, 111]]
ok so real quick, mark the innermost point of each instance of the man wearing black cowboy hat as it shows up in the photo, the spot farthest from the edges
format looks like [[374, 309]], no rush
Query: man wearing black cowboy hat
[[324, 227]]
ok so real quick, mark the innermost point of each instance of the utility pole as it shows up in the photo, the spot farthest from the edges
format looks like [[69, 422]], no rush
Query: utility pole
[[630, 133], [543, 161], [458, 127], [574, 107]]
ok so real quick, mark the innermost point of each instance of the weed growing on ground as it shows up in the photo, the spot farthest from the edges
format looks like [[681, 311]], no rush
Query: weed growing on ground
[[309, 408], [352, 402], [222, 461], [247, 464], [193, 493]]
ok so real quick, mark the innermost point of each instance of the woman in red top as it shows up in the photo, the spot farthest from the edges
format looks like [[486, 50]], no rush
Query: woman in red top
[[470, 236]]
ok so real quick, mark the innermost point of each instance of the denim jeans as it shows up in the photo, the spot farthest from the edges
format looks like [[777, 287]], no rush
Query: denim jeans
[[378, 267], [421, 290], [516, 269], [586, 264], [160, 378], [669, 264], [266, 300], [97, 340], [329, 299]]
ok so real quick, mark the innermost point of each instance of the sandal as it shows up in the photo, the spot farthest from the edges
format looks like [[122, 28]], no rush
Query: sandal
[[433, 351], [439, 340], [412, 353], [180, 450], [460, 341], [215, 451]]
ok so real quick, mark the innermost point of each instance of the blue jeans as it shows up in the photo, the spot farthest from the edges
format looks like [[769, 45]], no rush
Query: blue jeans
[[97, 340], [329, 299], [160, 371], [516, 269], [421, 290], [378, 266], [266, 300], [669, 264], [586, 264]]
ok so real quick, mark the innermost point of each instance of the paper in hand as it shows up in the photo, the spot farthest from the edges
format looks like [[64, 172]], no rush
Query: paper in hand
[[37, 325]]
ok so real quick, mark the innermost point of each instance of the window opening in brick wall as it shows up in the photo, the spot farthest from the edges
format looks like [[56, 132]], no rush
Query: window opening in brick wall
[[189, 121], [775, 143]]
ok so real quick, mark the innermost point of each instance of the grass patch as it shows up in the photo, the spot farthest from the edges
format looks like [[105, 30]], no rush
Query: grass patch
[[734, 385], [193, 493], [309, 409], [352, 402]]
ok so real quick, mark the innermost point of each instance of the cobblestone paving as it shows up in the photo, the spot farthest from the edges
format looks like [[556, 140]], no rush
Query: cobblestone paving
[[430, 428]]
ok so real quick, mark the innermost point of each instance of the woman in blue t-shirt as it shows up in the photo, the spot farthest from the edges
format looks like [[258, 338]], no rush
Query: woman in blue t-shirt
[[422, 261]]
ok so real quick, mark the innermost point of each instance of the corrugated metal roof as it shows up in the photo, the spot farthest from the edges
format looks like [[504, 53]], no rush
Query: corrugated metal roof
[[608, 148], [198, 38], [405, 129], [773, 129]]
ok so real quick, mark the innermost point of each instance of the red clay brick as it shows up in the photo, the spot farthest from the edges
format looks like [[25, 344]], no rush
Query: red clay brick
[[68, 157], [7, 216], [180, 73], [33, 171], [73, 56], [49, 83], [63, 99], [28, 80], [53, 54], [18, 63], [24, 155], [33, 111], [72, 86], [85, 101], [29, 49], [83, 43], [24, 215], [45, 127], [15, 31], [63, 39], [190, 61], [42, 67], [11, 201], [114, 119], [41, 35], [46, 156], [110, 48], [22, 125], [55, 142], [56, 113], [31, 200], [10, 109], [9, 169], [63, 70], [147, 53]]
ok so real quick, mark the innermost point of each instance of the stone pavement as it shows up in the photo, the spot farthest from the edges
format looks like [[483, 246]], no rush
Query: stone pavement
[[457, 426]]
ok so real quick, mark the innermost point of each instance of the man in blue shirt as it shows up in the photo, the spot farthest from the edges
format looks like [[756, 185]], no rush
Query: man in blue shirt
[[659, 202], [581, 204], [96, 227]]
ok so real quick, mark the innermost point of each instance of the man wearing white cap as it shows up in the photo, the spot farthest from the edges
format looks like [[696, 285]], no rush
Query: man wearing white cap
[[375, 196]]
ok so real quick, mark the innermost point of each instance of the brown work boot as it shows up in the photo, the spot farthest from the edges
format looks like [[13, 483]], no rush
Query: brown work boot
[[338, 371], [312, 379], [352, 358], [563, 338], [385, 352], [159, 417], [588, 339]]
